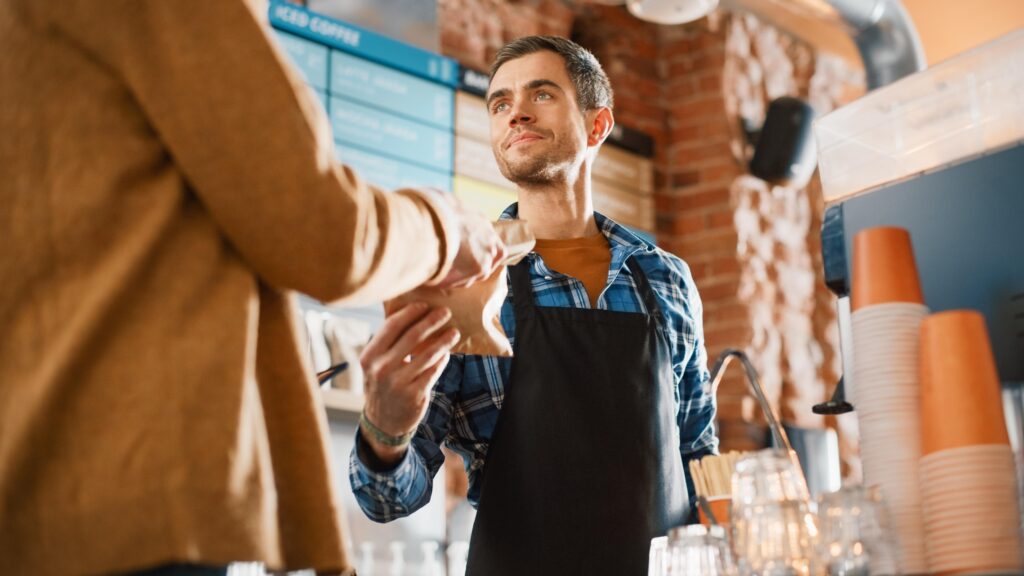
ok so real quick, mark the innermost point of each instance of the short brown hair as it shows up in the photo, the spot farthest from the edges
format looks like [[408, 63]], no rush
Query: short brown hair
[[593, 90]]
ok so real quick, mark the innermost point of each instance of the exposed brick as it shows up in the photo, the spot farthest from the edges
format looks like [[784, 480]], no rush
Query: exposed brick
[[638, 106], [558, 15], [720, 219], [723, 266], [711, 82], [715, 243], [701, 106], [692, 155], [733, 383], [667, 202], [735, 407], [615, 17], [645, 87], [683, 224], [726, 314], [738, 336], [681, 67], [714, 197], [725, 171], [680, 47], [685, 178], [710, 128], [710, 60], [742, 436], [518, 20], [708, 41], [713, 290], [680, 89]]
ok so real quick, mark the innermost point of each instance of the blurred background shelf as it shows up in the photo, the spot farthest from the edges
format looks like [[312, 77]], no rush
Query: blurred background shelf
[[342, 403]]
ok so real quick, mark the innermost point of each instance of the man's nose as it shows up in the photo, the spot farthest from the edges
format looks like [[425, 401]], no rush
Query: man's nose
[[520, 115]]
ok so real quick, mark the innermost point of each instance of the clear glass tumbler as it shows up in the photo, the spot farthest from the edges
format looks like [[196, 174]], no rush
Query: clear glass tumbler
[[773, 527], [855, 535], [700, 551]]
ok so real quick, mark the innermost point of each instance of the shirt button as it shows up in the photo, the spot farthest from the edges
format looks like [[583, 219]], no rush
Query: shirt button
[[547, 277]]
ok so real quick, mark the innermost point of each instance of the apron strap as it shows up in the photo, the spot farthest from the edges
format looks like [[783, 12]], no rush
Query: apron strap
[[522, 287], [650, 300]]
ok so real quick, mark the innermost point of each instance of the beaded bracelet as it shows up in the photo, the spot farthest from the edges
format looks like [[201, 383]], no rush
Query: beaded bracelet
[[382, 436]]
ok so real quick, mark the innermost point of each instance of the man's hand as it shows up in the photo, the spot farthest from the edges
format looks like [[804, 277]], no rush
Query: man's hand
[[401, 364], [481, 251]]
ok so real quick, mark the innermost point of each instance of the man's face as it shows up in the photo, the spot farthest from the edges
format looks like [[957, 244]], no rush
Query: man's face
[[538, 134]]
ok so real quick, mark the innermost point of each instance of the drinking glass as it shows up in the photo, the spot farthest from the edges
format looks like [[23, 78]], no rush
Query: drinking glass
[[855, 535], [773, 527], [699, 551], [657, 564]]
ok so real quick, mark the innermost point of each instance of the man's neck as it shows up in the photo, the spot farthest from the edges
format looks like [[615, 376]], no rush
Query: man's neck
[[559, 211]]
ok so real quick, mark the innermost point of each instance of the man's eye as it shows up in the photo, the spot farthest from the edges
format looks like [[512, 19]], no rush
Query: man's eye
[[500, 107], [543, 96]]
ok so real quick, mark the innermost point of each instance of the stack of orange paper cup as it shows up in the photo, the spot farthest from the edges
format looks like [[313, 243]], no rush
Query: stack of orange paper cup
[[888, 309], [968, 478]]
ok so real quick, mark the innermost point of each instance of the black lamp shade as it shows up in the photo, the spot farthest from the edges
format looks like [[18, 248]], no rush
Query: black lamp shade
[[785, 152]]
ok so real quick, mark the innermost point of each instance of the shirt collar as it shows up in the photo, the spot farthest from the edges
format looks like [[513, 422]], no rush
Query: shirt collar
[[623, 242]]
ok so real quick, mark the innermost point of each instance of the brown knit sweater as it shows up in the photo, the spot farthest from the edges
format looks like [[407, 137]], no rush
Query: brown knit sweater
[[166, 181]]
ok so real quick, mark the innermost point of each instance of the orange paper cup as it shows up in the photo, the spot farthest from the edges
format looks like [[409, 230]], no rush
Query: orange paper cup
[[720, 507], [883, 268], [961, 400]]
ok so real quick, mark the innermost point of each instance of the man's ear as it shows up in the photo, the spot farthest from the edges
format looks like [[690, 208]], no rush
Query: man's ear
[[601, 120]]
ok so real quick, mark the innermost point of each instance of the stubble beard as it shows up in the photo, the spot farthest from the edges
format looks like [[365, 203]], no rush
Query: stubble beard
[[540, 169]]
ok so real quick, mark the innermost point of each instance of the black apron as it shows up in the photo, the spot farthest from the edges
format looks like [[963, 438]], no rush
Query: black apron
[[584, 467]]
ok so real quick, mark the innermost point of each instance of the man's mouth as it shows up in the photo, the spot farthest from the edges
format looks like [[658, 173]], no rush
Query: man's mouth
[[522, 138]]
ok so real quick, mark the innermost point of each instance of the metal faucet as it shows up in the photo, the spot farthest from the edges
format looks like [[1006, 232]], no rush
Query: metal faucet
[[716, 377], [781, 439]]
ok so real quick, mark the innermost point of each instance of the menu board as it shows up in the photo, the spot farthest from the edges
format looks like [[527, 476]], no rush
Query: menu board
[[391, 105], [482, 196], [391, 108]]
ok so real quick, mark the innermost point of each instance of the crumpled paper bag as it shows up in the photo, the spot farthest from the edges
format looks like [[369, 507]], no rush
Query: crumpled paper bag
[[476, 309]]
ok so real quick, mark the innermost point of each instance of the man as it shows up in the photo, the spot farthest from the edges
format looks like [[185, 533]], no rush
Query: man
[[167, 179], [577, 447]]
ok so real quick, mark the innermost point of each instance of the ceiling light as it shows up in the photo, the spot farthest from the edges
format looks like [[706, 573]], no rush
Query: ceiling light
[[671, 11]]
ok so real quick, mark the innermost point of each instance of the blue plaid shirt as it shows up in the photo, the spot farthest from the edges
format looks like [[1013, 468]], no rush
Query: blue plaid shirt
[[468, 396]]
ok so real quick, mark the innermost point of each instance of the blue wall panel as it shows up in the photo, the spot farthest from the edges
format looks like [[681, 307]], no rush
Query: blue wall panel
[[363, 43], [389, 173], [309, 57], [390, 89], [390, 135]]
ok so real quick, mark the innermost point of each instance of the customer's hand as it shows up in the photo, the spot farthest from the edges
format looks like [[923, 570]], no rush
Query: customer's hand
[[481, 251], [401, 364]]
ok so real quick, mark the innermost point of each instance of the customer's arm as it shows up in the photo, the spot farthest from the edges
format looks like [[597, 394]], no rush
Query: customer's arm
[[253, 144]]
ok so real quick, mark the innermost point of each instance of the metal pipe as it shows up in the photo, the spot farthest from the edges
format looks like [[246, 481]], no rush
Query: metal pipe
[[781, 438], [885, 37], [755, 384]]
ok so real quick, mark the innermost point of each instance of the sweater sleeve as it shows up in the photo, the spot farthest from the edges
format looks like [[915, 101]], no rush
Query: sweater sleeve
[[253, 144]]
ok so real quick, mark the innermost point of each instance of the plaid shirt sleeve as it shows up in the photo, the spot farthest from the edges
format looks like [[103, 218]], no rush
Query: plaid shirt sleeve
[[696, 414], [387, 496]]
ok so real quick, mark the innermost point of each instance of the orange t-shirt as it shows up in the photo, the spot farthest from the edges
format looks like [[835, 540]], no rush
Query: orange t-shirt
[[586, 259]]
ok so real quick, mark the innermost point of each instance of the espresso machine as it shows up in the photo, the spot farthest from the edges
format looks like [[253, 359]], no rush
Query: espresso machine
[[941, 154]]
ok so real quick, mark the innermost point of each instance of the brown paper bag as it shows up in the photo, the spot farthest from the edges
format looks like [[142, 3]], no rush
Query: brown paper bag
[[476, 310]]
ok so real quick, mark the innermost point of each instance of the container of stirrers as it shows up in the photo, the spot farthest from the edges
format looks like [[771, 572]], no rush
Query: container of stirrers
[[712, 480]]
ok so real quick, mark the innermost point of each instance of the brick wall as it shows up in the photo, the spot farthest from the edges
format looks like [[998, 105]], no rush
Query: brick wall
[[472, 31], [752, 248]]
